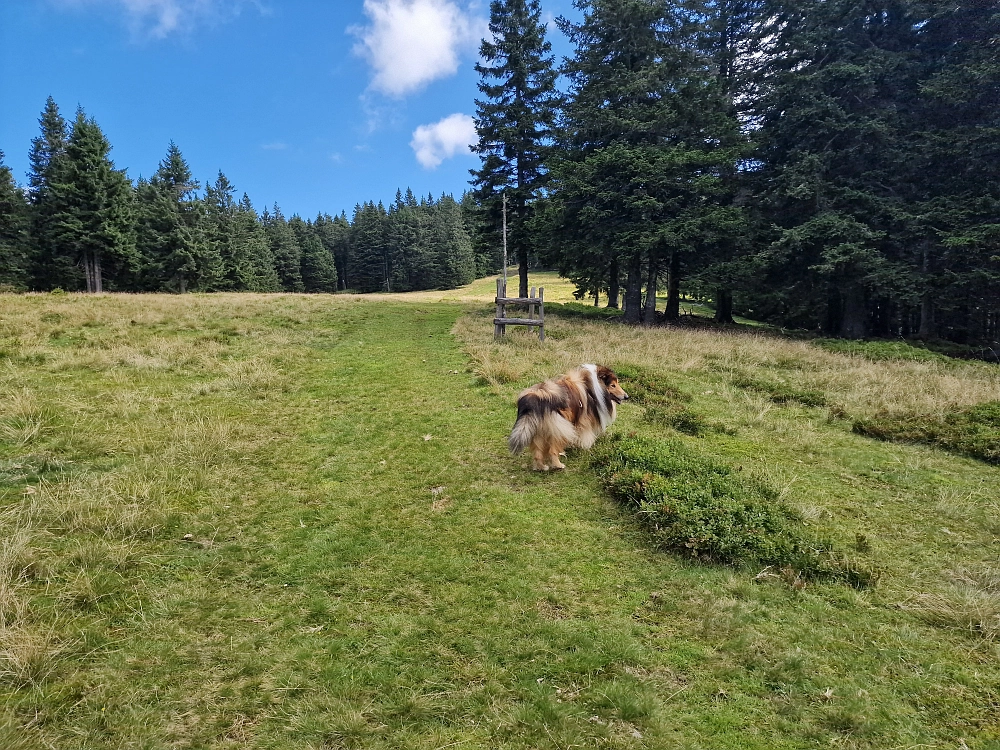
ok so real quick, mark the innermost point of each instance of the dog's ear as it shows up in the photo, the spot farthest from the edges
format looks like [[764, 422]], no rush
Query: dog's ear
[[606, 375]]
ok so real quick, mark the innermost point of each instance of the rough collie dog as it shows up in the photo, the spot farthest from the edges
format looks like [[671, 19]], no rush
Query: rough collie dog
[[571, 410]]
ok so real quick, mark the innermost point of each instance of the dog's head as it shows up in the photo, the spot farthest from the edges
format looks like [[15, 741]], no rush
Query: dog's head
[[610, 381]]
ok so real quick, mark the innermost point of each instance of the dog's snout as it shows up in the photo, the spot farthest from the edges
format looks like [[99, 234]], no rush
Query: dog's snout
[[625, 396]]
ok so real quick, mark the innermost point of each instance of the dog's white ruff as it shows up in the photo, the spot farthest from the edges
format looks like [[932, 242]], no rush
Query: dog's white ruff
[[602, 406]]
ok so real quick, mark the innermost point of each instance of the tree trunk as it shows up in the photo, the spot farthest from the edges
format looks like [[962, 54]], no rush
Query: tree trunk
[[633, 290], [673, 311], [853, 321], [723, 306], [649, 312], [182, 285], [928, 329], [597, 298], [98, 278], [522, 272], [88, 270], [613, 284]]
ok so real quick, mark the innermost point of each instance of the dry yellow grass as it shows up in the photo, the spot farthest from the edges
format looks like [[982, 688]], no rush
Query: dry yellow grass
[[858, 386]]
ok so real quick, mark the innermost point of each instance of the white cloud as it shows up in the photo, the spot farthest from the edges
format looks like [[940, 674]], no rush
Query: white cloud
[[410, 43], [453, 135], [160, 18]]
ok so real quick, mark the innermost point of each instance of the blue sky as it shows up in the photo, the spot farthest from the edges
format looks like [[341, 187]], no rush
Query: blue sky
[[315, 106]]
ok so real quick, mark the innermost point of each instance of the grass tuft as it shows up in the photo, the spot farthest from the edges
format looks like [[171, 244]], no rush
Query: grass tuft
[[974, 431], [780, 393], [970, 603]]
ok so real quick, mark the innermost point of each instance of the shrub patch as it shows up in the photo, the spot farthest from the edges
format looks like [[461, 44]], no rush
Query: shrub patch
[[698, 507], [971, 432]]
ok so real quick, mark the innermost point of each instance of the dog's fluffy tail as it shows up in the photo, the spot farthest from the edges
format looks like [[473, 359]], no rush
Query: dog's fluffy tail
[[524, 431]]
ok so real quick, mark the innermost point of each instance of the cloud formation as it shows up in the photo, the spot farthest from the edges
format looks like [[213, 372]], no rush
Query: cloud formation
[[160, 18], [410, 43], [453, 135]]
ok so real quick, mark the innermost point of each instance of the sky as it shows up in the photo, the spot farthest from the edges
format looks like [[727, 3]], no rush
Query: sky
[[313, 106]]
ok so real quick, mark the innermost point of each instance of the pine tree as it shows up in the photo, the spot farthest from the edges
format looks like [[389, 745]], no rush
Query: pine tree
[[833, 142], [48, 268], [285, 250], [90, 222], [370, 271], [335, 234], [13, 231], [237, 239], [174, 231], [514, 123], [250, 234], [450, 246], [319, 274], [643, 141]]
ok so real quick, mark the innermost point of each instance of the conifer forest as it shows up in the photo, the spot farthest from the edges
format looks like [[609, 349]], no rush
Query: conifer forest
[[829, 165]]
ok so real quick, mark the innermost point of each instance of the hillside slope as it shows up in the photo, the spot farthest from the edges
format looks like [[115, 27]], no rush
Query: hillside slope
[[291, 521]]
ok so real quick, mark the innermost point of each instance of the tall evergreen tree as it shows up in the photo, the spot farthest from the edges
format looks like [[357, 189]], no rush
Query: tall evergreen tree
[[642, 143], [842, 82], [91, 223], [285, 250], [13, 231], [49, 268], [237, 239], [370, 266], [319, 274], [176, 249], [335, 234], [514, 123]]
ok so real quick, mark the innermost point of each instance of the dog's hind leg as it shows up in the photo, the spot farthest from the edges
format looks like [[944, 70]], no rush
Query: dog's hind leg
[[554, 452], [538, 449]]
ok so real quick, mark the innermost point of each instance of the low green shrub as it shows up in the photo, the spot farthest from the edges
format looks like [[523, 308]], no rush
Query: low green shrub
[[664, 402], [971, 432], [678, 417], [701, 508], [646, 386], [780, 393]]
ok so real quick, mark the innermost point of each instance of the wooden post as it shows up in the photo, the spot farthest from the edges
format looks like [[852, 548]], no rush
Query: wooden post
[[498, 328], [541, 313], [531, 305]]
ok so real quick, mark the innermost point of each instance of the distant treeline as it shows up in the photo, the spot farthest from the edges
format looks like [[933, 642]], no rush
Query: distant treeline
[[822, 164], [80, 224]]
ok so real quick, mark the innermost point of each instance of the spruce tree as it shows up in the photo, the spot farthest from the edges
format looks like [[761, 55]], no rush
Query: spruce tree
[[514, 123], [90, 221], [834, 134], [643, 142], [319, 274], [48, 268], [13, 231], [370, 271], [335, 234], [236, 238], [174, 239], [285, 250]]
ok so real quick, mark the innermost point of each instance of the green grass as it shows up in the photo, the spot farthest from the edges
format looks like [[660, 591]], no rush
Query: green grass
[[291, 521]]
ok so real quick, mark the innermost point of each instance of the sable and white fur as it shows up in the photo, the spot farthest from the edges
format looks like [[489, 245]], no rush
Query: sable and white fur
[[572, 410]]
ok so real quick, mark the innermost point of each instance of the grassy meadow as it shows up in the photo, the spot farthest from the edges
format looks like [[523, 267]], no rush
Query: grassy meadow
[[291, 521]]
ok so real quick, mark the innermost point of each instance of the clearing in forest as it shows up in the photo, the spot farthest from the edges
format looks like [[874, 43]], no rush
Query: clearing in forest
[[290, 521]]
